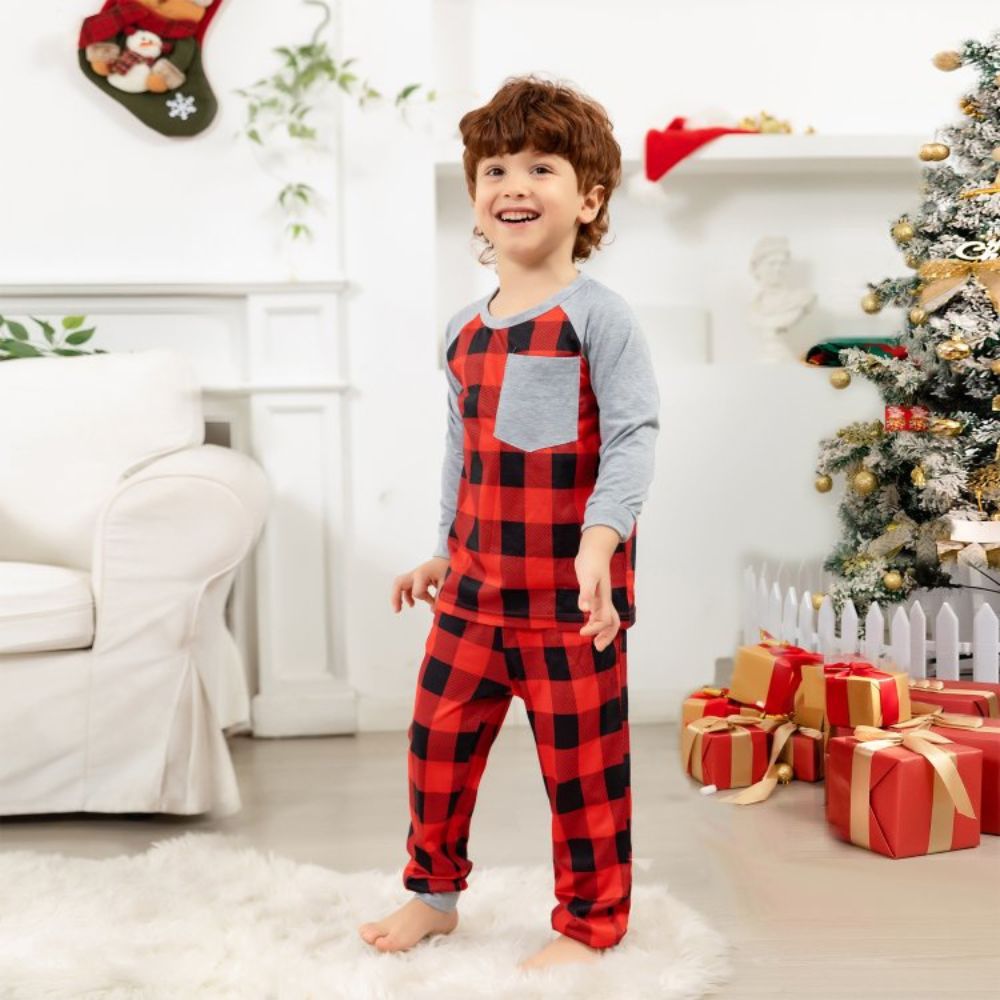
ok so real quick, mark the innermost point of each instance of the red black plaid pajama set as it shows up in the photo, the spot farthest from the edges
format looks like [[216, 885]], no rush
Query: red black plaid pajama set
[[552, 422]]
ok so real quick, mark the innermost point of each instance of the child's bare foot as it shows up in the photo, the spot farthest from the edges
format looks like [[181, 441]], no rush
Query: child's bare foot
[[411, 923], [563, 949]]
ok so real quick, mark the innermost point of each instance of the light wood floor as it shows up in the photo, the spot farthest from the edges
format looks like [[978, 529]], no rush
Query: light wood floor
[[808, 915]]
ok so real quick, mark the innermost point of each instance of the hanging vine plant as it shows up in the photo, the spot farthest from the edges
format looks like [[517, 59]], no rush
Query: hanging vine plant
[[283, 105]]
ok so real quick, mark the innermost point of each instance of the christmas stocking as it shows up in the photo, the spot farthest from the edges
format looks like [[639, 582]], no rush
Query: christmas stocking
[[146, 54]]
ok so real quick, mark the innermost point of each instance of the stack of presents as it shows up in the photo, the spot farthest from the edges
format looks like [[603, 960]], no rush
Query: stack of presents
[[909, 766]]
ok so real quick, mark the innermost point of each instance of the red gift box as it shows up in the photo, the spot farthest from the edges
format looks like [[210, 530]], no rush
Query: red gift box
[[729, 752], [708, 701], [972, 731], [859, 694], [959, 697], [907, 418], [828, 734], [904, 794], [804, 751], [784, 732], [766, 676]]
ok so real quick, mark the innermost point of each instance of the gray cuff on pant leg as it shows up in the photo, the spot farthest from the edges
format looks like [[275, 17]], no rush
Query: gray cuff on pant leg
[[443, 901]]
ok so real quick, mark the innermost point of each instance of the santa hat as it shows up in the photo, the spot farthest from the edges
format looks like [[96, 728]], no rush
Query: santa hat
[[667, 147]]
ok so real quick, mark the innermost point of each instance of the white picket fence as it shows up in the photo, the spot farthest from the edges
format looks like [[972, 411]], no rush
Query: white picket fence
[[924, 636]]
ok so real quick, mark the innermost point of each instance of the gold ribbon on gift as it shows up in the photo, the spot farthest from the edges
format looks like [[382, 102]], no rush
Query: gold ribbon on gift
[[762, 789], [742, 743], [944, 278], [934, 715], [931, 684], [978, 554], [949, 794]]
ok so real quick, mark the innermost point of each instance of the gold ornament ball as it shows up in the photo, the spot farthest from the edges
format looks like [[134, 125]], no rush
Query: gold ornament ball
[[903, 231], [918, 477], [912, 260], [947, 60], [918, 315], [823, 484], [995, 366], [784, 773], [840, 379], [955, 349], [945, 427], [864, 482], [870, 302], [817, 600], [933, 151], [892, 580]]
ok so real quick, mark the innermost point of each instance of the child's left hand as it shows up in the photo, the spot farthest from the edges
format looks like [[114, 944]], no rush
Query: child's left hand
[[594, 577]]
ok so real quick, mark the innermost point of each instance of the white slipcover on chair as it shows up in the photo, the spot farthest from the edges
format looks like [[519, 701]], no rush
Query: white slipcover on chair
[[120, 535]]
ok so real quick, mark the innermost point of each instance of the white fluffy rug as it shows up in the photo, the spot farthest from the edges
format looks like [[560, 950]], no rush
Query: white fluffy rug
[[208, 916]]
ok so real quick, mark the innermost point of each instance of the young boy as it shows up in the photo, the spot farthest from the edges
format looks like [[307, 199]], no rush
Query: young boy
[[552, 420]]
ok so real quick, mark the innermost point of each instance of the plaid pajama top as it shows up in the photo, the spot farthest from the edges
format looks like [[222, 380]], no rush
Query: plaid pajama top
[[552, 421]]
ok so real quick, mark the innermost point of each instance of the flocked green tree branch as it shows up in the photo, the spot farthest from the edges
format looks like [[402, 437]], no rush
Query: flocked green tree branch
[[905, 484]]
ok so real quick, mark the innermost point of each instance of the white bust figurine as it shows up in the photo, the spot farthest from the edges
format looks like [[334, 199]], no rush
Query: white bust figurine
[[777, 305]]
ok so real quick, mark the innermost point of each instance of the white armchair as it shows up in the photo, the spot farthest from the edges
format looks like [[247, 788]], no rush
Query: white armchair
[[120, 535]]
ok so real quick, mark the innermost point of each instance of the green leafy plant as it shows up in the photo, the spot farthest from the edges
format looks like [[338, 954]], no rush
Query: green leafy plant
[[284, 105], [63, 340]]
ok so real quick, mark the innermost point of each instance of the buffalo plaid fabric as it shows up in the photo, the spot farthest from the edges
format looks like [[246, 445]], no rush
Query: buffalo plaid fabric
[[519, 513], [115, 17], [577, 704]]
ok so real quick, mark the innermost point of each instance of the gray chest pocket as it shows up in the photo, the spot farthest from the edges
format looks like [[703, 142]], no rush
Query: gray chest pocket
[[539, 402]]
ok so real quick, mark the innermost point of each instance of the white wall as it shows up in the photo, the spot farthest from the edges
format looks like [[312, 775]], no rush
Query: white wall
[[93, 195], [81, 181]]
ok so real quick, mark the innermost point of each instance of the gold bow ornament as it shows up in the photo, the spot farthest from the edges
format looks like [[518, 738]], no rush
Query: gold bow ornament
[[945, 278], [726, 762], [876, 807]]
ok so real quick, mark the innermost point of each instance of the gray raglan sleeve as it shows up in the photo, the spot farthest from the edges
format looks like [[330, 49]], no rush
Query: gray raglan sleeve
[[451, 467], [621, 374]]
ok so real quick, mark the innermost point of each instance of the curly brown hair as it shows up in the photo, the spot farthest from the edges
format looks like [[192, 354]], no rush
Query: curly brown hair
[[528, 112]]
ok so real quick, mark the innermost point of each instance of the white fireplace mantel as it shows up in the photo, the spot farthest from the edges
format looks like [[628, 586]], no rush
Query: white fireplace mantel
[[272, 362]]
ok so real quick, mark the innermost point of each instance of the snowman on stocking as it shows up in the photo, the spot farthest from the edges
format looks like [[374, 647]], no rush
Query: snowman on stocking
[[137, 51]]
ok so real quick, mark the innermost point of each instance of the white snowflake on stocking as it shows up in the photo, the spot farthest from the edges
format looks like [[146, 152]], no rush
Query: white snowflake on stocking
[[181, 107]]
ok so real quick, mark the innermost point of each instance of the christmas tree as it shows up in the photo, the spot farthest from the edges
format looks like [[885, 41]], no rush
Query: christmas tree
[[934, 460]]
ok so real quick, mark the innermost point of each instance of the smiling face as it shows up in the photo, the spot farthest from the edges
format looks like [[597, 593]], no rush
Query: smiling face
[[541, 187], [145, 43]]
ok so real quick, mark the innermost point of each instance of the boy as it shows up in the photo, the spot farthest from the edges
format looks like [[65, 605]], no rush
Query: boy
[[552, 420]]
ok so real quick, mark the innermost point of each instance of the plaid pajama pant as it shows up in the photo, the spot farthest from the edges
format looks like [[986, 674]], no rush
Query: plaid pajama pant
[[577, 704]]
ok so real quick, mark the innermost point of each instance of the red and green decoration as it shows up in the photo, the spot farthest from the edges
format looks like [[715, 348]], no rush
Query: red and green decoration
[[826, 354], [147, 55]]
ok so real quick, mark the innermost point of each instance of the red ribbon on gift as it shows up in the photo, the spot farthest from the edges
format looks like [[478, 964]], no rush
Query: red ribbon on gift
[[787, 674], [836, 693]]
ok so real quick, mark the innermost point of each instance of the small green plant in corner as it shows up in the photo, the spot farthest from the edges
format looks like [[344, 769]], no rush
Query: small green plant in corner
[[16, 342], [283, 105]]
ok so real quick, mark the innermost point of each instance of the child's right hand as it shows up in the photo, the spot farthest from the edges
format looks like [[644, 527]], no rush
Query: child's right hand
[[415, 583]]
